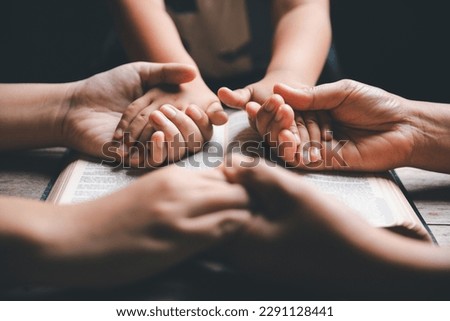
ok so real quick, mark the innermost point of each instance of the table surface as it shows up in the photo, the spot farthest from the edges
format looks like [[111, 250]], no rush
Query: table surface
[[27, 174]]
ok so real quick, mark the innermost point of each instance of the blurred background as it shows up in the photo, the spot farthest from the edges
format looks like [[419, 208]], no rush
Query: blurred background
[[399, 45]]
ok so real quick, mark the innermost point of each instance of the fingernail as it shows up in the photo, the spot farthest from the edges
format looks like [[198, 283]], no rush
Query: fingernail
[[278, 117], [195, 113], [119, 133], [159, 118], [269, 107], [304, 154], [169, 111], [315, 154]]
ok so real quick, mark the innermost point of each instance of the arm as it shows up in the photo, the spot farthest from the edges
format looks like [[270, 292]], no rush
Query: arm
[[304, 236], [148, 33], [431, 145], [76, 245], [302, 38]]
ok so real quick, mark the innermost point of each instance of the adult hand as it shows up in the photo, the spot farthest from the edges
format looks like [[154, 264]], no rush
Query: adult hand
[[184, 114], [269, 121], [372, 129], [301, 237], [97, 103], [151, 225]]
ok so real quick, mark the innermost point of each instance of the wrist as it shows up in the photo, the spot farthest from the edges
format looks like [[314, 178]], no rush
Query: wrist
[[280, 74], [431, 127], [71, 96]]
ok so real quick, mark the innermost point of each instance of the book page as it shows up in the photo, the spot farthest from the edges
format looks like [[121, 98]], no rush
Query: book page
[[361, 192]]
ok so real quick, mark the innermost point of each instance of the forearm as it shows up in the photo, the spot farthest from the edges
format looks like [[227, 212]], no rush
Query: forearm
[[342, 251], [23, 227], [147, 31], [302, 40], [31, 115], [42, 244], [431, 125]]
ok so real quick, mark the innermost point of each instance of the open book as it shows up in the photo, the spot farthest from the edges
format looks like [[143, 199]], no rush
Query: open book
[[377, 197]]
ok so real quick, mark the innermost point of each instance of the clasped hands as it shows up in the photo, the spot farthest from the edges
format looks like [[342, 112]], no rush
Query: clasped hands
[[166, 111], [156, 113]]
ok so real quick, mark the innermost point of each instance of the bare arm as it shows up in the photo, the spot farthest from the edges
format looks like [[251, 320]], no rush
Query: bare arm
[[300, 45], [147, 31], [302, 38], [373, 122], [431, 147], [149, 34], [81, 115], [304, 236], [31, 114], [76, 245]]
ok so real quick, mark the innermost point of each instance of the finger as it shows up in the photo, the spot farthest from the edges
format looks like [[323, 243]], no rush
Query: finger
[[262, 179], [171, 73], [146, 133], [129, 114], [216, 114], [235, 98], [325, 125], [312, 125], [266, 114], [188, 129], [302, 155], [201, 120], [215, 227], [175, 144], [157, 151], [140, 126], [252, 109], [287, 147], [217, 195], [326, 96], [284, 119]]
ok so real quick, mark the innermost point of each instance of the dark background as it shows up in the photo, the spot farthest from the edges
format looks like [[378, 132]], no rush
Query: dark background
[[399, 45]]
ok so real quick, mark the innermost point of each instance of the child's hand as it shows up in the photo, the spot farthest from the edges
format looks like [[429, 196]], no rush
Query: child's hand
[[165, 110], [296, 135], [175, 133], [261, 91]]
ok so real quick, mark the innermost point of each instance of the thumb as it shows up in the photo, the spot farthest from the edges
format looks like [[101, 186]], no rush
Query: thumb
[[171, 73], [217, 226], [216, 114], [235, 98], [266, 183], [322, 97]]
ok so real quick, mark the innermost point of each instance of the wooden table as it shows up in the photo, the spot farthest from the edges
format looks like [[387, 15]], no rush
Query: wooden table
[[27, 174]]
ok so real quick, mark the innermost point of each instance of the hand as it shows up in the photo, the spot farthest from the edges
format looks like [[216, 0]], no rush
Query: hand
[[151, 225], [371, 128], [301, 236], [164, 109], [97, 103], [276, 122]]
